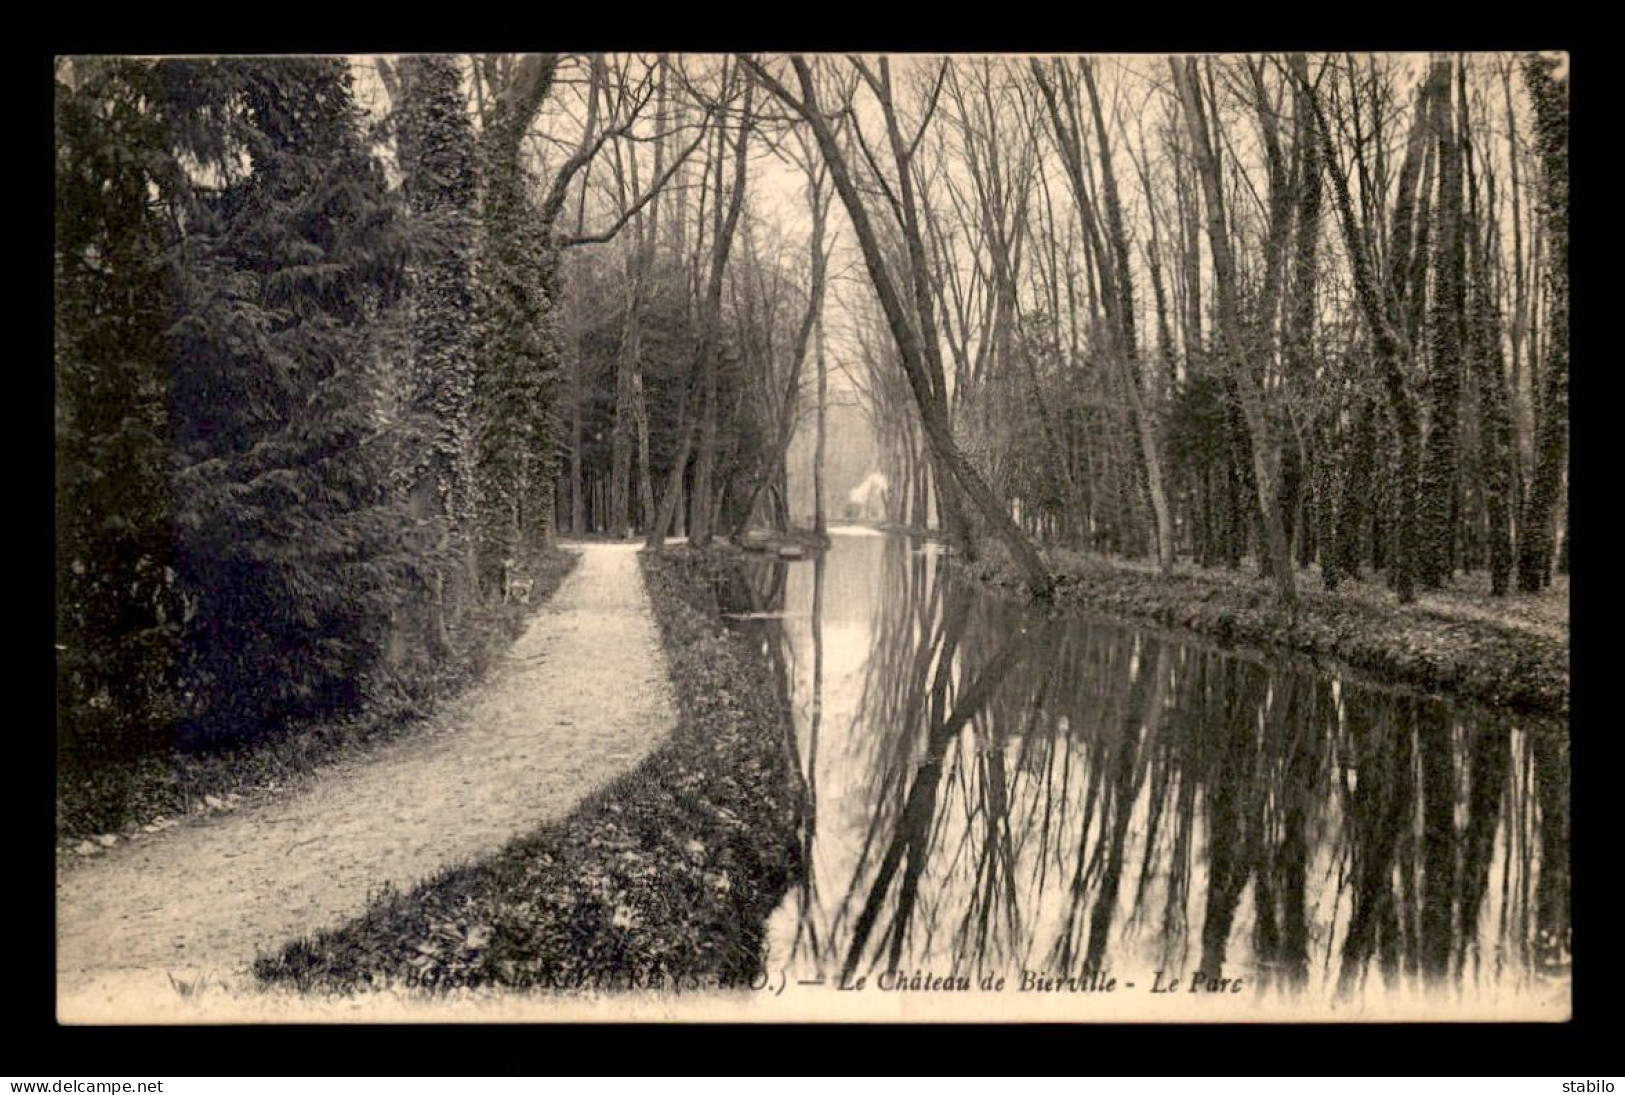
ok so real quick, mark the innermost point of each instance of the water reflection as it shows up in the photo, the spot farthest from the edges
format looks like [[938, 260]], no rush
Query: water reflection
[[987, 789]]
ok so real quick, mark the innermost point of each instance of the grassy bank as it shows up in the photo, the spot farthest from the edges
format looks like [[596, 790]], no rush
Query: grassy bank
[[772, 540], [664, 878], [1508, 652], [99, 805]]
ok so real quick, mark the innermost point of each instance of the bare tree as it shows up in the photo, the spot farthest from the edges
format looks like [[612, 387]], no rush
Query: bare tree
[[914, 329], [1265, 457]]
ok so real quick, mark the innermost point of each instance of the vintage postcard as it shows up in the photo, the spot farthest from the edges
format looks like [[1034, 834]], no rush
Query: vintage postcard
[[812, 537]]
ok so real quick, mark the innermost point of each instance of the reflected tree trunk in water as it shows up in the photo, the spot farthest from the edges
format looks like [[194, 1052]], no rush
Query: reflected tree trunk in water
[[1231, 793], [807, 922], [1302, 733], [1138, 728], [923, 707], [1293, 735], [909, 846], [1438, 841], [1009, 775], [905, 644], [1176, 757], [1098, 696], [758, 590], [998, 843], [1489, 761], [1380, 809], [1551, 756]]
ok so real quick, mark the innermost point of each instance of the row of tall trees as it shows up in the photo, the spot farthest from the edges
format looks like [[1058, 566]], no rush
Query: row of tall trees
[[1311, 310], [342, 344], [689, 325], [309, 368]]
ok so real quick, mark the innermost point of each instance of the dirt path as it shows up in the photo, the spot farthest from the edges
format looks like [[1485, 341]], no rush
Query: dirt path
[[583, 697]]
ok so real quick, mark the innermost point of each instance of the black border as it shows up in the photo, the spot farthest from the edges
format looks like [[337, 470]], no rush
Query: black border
[[40, 1046]]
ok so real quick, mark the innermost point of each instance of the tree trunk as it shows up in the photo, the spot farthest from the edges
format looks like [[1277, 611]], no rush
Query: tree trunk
[[626, 394], [1552, 427], [1144, 418], [1387, 348], [646, 488], [577, 504], [820, 527], [1484, 346], [672, 496], [917, 350], [1447, 331], [703, 369], [703, 502], [1301, 310], [699, 503], [1252, 402]]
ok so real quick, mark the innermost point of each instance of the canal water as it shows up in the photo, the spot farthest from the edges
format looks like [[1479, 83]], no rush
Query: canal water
[[989, 790]]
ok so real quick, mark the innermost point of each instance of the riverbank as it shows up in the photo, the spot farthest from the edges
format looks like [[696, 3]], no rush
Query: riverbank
[[664, 877], [129, 800], [1507, 652], [795, 542]]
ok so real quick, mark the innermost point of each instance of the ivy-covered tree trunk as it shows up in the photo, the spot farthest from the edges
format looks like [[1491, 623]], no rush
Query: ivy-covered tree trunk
[[1447, 332], [1302, 308], [1342, 558], [1484, 349], [435, 141], [1537, 531], [1383, 316], [518, 379]]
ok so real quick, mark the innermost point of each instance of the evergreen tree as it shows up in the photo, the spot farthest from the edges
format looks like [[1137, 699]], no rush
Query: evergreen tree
[[117, 610], [289, 541]]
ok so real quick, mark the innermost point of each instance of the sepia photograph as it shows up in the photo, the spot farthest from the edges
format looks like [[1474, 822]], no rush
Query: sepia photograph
[[812, 537]]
